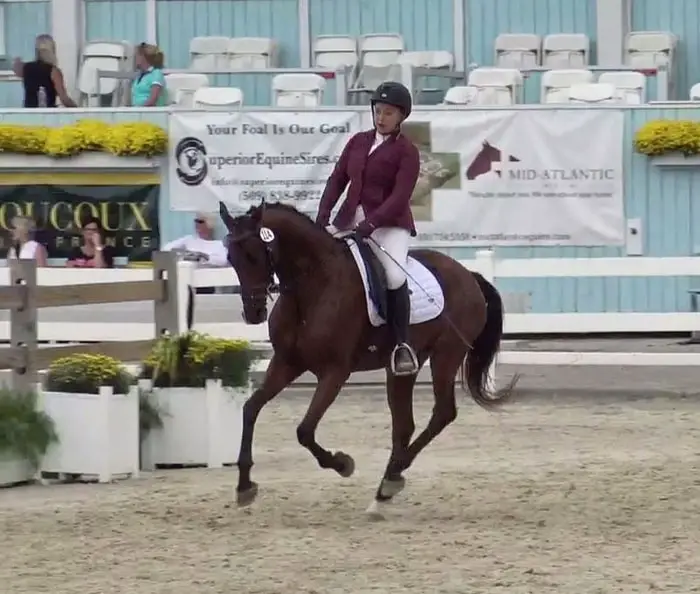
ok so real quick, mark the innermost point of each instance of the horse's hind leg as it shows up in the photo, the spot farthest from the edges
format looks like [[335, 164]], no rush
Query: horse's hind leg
[[399, 391], [279, 375], [327, 390]]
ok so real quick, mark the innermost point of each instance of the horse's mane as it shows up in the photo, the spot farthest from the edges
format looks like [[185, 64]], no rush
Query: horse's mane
[[280, 206]]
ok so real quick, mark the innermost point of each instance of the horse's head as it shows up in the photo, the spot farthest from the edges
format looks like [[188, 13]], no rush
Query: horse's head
[[252, 253]]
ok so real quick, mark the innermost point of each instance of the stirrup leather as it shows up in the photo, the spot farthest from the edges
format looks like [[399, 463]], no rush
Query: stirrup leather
[[414, 360]]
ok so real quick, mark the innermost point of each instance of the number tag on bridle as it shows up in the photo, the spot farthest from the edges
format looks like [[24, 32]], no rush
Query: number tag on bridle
[[267, 235]]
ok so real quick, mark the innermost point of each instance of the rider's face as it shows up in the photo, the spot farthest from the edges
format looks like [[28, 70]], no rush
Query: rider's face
[[387, 118]]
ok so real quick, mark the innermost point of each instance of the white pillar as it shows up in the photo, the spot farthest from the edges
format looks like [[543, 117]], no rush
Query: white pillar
[[613, 22], [66, 19], [459, 34], [304, 24]]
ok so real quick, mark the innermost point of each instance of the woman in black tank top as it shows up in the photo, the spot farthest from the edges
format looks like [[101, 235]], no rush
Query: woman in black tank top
[[43, 73]]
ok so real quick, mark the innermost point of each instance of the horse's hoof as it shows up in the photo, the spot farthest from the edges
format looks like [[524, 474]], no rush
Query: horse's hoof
[[246, 497], [345, 465], [375, 511], [390, 487]]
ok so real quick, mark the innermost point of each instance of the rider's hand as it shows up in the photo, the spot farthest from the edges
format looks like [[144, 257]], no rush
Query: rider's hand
[[364, 229]]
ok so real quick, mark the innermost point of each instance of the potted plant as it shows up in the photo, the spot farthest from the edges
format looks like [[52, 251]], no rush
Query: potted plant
[[25, 435], [670, 143], [201, 382], [95, 405]]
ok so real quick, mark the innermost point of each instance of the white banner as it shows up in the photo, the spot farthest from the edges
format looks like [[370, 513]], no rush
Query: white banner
[[492, 177], [525, 177], [242, 157]]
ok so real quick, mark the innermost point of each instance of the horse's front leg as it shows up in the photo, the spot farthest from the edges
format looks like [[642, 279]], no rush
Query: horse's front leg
[[279, 375], [327, 390]]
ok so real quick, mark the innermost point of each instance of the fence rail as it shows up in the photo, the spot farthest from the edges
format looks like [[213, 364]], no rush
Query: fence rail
[[23, 296]]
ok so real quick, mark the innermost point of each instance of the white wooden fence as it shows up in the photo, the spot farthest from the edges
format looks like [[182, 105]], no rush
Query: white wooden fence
[[116, 324]]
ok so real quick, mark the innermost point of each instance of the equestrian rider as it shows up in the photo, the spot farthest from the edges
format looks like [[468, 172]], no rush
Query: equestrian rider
[[382, 166]]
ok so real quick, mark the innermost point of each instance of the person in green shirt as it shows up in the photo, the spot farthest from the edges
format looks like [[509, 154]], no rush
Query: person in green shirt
[[148, 88]]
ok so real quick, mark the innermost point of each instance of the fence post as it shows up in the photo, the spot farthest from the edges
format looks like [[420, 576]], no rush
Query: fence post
[[165, 312], [23, 324], [487, 267]]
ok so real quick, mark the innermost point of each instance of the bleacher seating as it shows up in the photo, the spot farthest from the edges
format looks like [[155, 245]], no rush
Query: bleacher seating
[[335, 51], [630, 87], [648, 49], [592, 93], [462, 95], [298, 90]]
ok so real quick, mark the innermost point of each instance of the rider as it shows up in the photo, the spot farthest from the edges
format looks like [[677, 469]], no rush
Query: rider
[[382, 166]]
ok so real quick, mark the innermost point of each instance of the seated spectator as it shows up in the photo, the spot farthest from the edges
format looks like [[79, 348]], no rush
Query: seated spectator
[[93, 253], [42, 73], [24, 246], [202, 246], [148, 89]]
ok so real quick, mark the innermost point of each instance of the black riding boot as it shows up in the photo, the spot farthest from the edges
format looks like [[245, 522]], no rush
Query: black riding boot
[[403, 359]]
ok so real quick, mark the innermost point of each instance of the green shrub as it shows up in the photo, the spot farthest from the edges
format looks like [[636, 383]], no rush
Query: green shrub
[[24, 431], [188, 360]]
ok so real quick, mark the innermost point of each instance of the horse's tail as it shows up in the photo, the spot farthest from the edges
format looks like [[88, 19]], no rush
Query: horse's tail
[[476, 365]]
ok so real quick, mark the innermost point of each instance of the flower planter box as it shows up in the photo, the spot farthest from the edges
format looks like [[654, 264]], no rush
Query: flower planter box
[[88, 160], [674, 160], [98, 434], [14, 470], [201, 426]]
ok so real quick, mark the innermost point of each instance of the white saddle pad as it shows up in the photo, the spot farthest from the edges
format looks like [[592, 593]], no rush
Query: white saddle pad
[[424, 307]]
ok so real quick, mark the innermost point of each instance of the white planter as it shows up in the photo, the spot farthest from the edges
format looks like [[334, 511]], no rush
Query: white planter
[[675, 160], [201, 426], [14, 470], [88, 160], [98, 433]]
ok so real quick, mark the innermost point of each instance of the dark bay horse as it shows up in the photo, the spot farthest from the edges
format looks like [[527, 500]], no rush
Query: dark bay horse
[[320, 324]]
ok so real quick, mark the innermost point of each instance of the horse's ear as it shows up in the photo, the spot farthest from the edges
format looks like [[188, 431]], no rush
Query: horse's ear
[[225, 216]]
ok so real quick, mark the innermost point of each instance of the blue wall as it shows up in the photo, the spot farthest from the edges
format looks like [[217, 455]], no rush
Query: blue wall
[[663, 199], [116, 20], [23, 22], [681, 17]]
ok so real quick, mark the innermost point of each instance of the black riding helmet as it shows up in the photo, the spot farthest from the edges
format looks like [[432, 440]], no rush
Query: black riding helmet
[[393, 93]]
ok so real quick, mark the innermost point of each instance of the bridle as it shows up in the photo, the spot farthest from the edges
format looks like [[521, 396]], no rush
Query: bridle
[[269, 287]]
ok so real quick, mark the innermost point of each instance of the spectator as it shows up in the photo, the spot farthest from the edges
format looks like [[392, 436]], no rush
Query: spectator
[[42, 73], [202, 246], [211, 251], [93, 253], [148, 90], [24, 243]]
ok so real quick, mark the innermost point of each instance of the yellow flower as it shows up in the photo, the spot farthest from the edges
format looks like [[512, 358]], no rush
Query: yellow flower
[[141, 139], [666, 136]]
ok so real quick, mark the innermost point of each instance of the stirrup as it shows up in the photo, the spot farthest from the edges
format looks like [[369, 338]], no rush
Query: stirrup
[[403, 347]]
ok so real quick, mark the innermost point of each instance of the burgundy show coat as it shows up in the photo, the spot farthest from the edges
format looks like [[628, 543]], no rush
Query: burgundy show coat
[[382, 183]]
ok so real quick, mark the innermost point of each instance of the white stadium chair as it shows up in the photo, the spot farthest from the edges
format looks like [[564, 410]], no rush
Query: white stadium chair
[[217, 97], [247, 53], [209, 53], [182, 86], [593, 93], [555, 84], [630, 87], [114, 56], [496, 86], [463, 95], [298, 90], [518, 50], [566, 50], [649, 49]]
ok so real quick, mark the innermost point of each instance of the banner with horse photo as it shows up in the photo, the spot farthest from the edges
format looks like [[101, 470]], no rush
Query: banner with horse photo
[[241, 158], [125, 204], [520, 177]]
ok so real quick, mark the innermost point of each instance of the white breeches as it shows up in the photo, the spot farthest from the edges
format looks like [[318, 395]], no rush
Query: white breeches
[[394, 240]]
